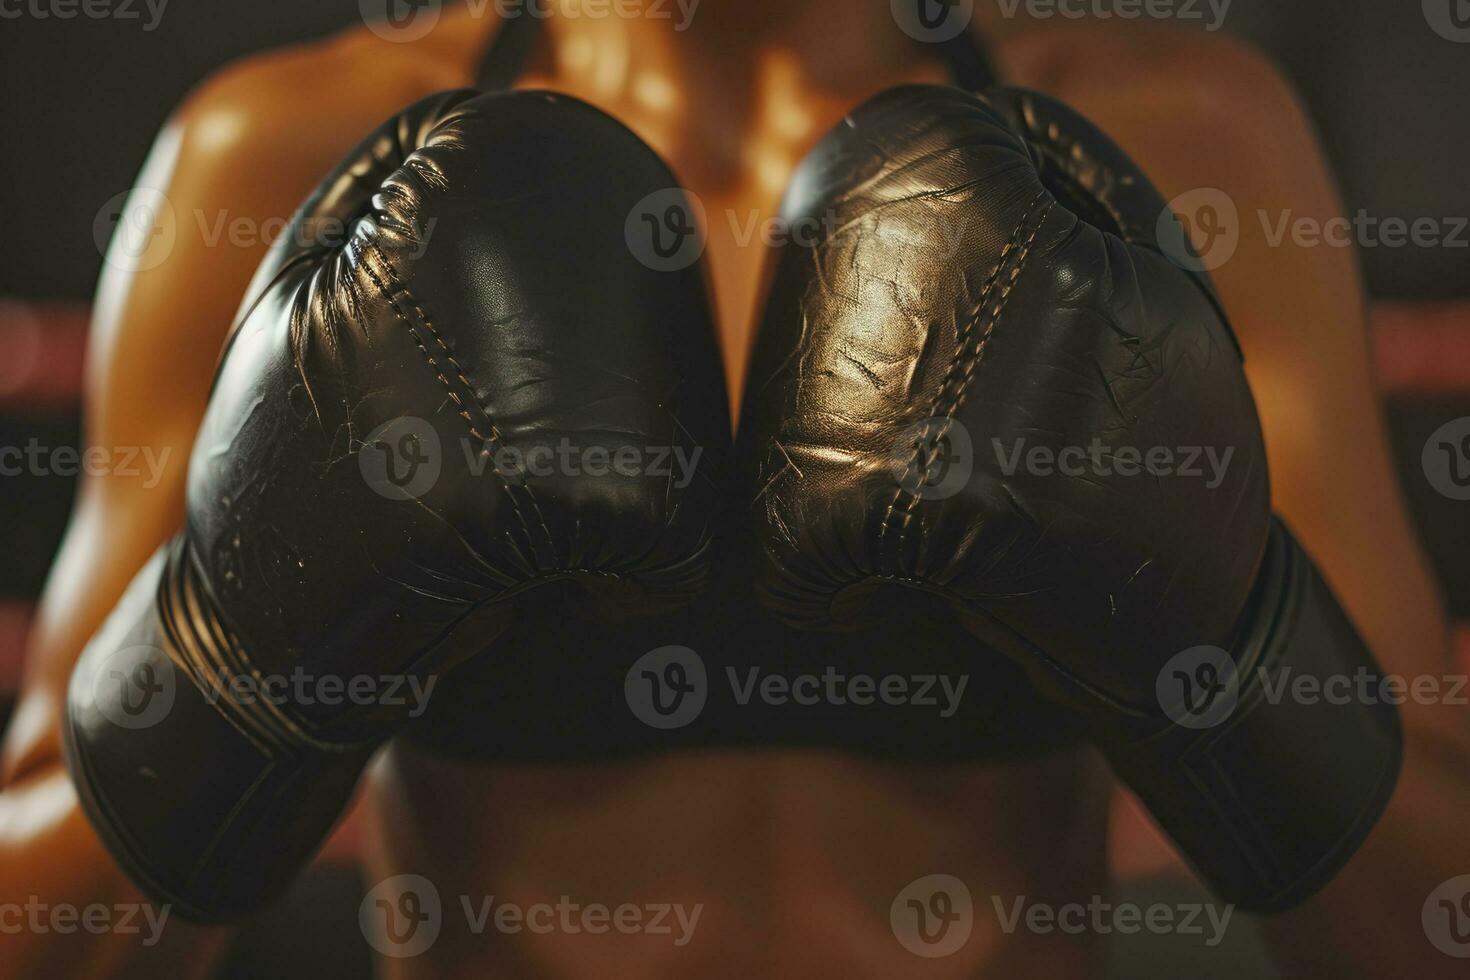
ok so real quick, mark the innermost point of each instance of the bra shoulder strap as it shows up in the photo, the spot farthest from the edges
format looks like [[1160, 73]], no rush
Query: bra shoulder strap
[[969, 62], [506, 56]]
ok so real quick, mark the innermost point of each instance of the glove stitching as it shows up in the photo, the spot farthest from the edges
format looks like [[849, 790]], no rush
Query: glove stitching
[[495, 438], [205, 651], [966, 360], [462, 408], [1100, 188], [1070, 154]]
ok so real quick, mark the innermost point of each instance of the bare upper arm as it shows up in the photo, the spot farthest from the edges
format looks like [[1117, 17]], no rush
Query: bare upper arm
[[224, 175]]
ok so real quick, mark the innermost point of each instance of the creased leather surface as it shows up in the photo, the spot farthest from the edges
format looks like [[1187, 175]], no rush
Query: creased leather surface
[[990, 265], [992, 280], [488, 291], [483, 299]]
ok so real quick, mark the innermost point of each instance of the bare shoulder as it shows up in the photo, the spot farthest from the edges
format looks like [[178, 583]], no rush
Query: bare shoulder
[[323, 91], [243, 150], [1066, 53], [249, 143], [1190, 79], [1209, 115]]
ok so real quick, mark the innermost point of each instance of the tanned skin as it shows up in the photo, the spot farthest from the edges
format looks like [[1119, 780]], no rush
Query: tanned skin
[[794, 855]]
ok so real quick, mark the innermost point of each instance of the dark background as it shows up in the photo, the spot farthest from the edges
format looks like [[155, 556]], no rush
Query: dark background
[[82, 100]]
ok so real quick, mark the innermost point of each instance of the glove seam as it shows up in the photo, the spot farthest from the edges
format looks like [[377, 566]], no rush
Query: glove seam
[[1065, 163], [495, 439], [962, 367]]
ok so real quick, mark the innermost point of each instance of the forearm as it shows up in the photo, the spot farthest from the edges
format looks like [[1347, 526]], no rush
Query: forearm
[[67, 910], [1419, 844]]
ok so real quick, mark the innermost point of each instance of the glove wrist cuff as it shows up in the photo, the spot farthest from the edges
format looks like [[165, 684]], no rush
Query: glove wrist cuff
[[200, 811], [1282, 771]]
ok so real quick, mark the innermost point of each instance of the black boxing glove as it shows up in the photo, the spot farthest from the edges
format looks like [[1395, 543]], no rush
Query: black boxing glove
[[410, 429], [991, 281]]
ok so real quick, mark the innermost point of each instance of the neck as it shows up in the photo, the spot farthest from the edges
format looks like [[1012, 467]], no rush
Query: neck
[[838, 42], [720, 43], [702, 70]]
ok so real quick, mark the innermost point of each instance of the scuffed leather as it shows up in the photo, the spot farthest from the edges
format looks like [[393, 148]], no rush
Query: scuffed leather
[[483, 299], [991, 264], [992, 281], [487, 289]]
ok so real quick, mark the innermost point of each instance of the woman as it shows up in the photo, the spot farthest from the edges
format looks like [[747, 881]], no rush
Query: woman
[[794, 855]]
